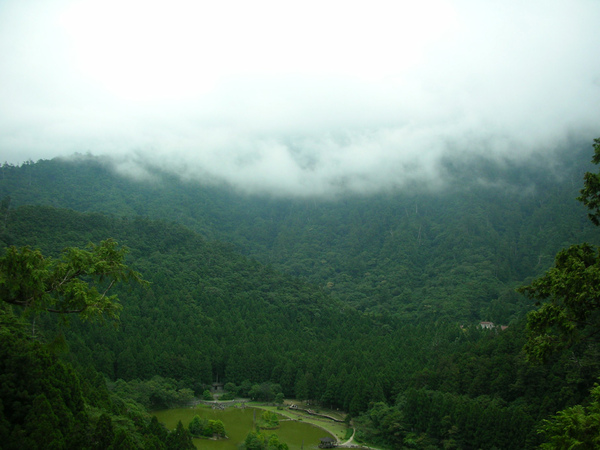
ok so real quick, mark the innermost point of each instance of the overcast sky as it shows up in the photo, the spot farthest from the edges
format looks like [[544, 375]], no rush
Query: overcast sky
[[298, 97]]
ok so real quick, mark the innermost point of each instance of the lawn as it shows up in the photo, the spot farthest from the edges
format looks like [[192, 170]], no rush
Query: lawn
[[338, 429]]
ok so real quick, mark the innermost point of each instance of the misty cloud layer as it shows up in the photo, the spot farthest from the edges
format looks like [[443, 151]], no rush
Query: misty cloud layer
[[310, 100]]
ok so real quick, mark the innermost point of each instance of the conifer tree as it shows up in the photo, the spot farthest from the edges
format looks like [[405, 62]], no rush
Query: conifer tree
[[104, 434], [43, 425], [180, 439]]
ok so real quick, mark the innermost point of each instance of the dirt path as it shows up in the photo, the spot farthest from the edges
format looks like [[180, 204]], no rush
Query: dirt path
[[349, 441]]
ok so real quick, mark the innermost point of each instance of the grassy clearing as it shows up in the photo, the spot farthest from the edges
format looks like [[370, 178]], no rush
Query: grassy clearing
[[338, 429], [349, 432]]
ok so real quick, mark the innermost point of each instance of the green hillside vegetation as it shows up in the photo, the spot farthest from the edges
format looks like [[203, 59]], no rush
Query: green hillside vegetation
[[209, 312], [369, 305], [46, 403], [458, 253]]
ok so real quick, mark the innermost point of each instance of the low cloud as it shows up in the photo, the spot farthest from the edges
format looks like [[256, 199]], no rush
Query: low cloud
[[374, 98]]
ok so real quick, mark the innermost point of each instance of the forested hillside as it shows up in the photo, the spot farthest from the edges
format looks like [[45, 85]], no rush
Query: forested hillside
[[421, 254], [367, 304], [211, 313]]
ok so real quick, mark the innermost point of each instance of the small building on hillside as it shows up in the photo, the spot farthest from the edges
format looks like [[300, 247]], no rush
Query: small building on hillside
[[217, 387]]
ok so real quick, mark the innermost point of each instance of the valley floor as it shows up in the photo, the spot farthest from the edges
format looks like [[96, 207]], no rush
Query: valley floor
[[338, 429]]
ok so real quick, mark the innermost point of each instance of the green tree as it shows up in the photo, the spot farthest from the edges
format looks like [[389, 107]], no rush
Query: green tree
[[258, 441], [123, 441], [275, 444], [152, 442], [207, 396], [573, 312], [207, 428], [572, 288], [196, 426], [157, 429], [329, 395], [43, 425], [575, 427], [570, 316], [217, 428], [301, 386], [77, 283], [264, 391], [279, 398], [180, 439], [269, 420], [231, 388], [590, 194], [104, 434], [254, 441]]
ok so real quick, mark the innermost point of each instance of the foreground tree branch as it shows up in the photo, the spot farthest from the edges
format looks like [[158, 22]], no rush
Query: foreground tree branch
[[77, 283], [568, 295]]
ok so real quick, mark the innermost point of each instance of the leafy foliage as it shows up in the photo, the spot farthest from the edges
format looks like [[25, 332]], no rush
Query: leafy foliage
[[78, 283], [575, 427], [447, 421], [570, 318], [45, 403], [258, 441], [590, 194], [573, 313], [180, 439], [156, 393], [206, 428], [269, 420]]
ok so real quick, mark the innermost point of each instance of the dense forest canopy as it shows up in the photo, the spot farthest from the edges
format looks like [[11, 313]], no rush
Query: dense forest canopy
[[458, 252], [367, 304]]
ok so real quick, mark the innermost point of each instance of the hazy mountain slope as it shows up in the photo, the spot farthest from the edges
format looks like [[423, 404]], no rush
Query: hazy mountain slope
[[455, 253], [202, 299]]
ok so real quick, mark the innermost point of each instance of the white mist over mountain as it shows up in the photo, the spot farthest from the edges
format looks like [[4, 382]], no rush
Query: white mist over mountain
[[303, 99]]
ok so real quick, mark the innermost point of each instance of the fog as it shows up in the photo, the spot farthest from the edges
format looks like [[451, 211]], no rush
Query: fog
[[315, 98]]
